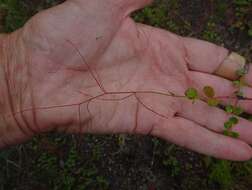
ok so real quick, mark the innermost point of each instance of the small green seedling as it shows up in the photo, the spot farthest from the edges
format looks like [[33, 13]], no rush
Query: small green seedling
[[229, 109], [233, 110], [209, 91], [236, 110], [231, 134], [210, 94], [191, 94], [213, 101]]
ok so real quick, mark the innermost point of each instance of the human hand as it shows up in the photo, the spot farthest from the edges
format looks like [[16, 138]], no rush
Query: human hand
[[86, 67]]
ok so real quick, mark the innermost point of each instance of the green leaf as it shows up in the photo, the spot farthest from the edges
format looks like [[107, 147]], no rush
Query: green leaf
[[238, 111], [213, 102], [235, 110], [229, 108], [228, 125], [237, 83], [231, 134], [233, 120], [234, 134], [191, 93], [209, 91], [226, 132]]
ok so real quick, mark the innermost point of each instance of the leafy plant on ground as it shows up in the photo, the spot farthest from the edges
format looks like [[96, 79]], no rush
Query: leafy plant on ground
[[173, 165], [16, 16], [220, 173], [243, 12]]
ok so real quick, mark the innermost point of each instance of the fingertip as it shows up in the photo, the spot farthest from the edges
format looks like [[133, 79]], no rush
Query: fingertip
[[233, 150], [246, 153]]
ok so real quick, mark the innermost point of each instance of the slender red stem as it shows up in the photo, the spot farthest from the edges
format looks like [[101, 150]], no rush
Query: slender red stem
[[88, 67]]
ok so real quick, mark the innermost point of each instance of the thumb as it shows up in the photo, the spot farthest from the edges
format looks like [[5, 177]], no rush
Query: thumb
[[133, 5], [124, 6], [80, 21]]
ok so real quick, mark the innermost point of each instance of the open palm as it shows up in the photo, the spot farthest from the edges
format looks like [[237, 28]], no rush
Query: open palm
[[89, 68]]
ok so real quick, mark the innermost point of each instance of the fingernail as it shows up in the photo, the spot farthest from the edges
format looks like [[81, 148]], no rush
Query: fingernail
[[233, 63], [236, 59]]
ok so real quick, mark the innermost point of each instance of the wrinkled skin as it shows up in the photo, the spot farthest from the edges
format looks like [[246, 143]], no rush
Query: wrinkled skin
[[81, 49]]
